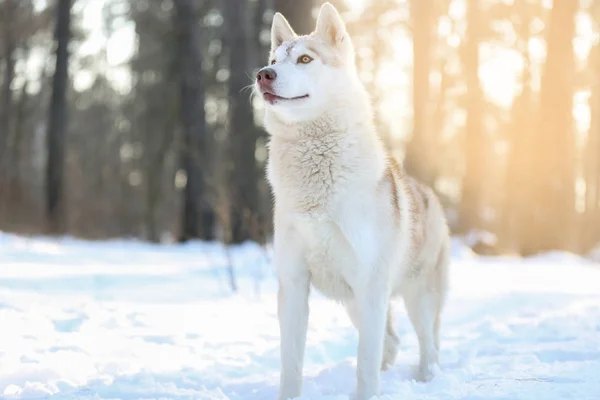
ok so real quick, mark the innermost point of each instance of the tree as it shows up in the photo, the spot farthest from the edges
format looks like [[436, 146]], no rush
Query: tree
[[9, 46], [197, 218], [21, 25], [553, 209], [57, 124], [8, 9], [155, 120], [417, 162], [591, 220], [475, 157], [370, 35], [516, 202], [242, 132], [298, 13]]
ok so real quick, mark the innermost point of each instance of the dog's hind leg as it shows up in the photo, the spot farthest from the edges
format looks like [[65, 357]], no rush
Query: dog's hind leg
[[391, 343], [441, 287], [422, 307], [424, 301]]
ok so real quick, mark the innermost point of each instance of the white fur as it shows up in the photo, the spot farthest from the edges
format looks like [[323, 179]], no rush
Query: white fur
[[336, 224]]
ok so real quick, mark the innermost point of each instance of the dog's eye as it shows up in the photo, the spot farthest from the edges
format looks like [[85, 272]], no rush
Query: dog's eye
[[272, 62], [304, 59]]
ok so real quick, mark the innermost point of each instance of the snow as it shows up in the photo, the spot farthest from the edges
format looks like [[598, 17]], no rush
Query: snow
[[595, 254], [128, 320]]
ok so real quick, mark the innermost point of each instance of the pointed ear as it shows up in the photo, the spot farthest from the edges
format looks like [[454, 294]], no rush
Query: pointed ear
[[330, 26], [281, 31]]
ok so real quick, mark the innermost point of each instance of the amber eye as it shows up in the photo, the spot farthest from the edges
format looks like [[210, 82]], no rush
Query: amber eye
[[304, 59], [272, 62]]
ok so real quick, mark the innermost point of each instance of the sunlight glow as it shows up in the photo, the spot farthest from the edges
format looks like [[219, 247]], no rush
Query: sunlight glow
[[453, 40], [444, 26], [355, 5], [457, 9], [582, 113], [499, 73], [119, 47], [580, 190], [585, 34]]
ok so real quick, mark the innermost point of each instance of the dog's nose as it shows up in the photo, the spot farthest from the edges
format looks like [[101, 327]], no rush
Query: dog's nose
[[266, 74]]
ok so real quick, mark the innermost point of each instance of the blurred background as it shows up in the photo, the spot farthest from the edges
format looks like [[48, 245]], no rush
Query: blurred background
[[132, 118]]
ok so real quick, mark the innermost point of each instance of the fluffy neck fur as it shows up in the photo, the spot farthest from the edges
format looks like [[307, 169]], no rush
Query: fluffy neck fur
[[313, 164]]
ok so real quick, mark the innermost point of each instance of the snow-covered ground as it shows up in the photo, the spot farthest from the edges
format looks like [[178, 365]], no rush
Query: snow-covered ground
[[126, 320]]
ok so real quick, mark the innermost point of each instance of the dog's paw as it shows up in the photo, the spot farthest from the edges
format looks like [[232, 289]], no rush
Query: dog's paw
[[387, 362], [427, 372], [390, 351]]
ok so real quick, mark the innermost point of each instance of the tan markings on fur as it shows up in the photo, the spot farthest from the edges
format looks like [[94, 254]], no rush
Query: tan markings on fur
[[418, 200], [396, 167], [419, 212], [289, 49], [313, 43], [390, 177], [330, 58]]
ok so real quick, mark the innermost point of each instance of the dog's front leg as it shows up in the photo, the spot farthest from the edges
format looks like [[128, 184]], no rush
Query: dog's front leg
[[372, 303], [292, 309]]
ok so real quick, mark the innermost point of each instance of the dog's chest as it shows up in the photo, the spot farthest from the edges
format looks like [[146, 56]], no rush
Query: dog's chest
[[328, 255], [307, 174], [318, 186]]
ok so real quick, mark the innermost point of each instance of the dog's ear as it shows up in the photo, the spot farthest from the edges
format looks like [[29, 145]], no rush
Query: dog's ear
[[330, 25], [281, 31]]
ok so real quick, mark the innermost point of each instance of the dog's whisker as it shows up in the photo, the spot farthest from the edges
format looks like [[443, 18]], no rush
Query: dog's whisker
[[250, 86]]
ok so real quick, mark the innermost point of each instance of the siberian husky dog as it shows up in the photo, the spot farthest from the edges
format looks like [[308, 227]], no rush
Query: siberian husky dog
[[348, 220]]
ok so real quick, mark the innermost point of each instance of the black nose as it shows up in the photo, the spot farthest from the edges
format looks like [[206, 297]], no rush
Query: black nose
[[267, 74]]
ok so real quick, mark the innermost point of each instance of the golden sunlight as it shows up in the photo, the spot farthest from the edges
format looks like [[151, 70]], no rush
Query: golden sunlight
[[355, 5]]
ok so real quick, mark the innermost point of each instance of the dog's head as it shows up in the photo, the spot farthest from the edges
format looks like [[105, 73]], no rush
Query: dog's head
[[307, 73]]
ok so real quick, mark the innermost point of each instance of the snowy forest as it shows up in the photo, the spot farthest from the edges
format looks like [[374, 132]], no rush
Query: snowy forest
[[133, 118], [136, 251]]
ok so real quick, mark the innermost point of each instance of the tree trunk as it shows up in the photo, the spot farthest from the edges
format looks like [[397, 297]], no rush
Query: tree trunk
[[553, 208], [260, 50], [471, 202], [517, 190], [8, 9], [198, 218], [241, 128], [6, 100], [155, 180], [591, 220], [418, 162], [517, 195], [19, 127], [298, 13], [57, 125]]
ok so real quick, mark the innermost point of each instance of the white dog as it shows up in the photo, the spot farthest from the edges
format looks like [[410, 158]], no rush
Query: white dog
[[347, 218]]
